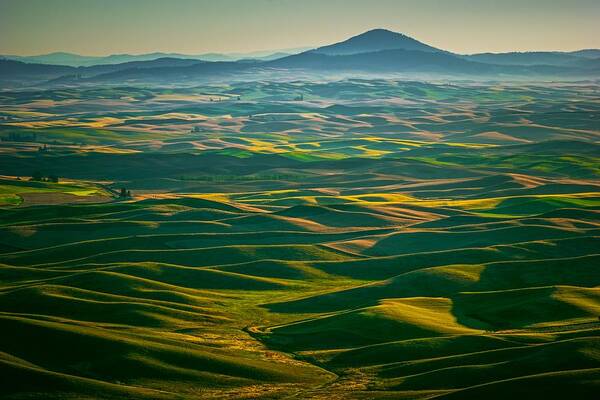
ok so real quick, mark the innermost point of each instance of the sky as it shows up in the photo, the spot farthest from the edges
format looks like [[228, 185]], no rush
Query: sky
[[102, 27]]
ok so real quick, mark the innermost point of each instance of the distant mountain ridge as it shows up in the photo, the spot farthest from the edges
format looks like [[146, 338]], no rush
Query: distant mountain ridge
[[76, 60], [10, 66], [576, 58], [377, 51]]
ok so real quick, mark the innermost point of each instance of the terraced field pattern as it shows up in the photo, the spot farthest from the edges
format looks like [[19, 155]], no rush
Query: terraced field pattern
[[354, 239]]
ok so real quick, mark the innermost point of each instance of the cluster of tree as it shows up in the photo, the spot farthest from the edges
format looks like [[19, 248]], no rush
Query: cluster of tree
[[124, 193], [19, 137], [43, 149], [38, 176]]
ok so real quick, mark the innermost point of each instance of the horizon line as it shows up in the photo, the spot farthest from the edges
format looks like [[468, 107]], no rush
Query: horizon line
[[277, 50]]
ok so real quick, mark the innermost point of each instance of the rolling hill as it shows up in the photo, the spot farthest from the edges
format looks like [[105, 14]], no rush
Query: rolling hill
[[346, 239]]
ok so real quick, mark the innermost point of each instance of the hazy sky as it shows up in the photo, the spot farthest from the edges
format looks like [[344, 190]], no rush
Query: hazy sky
[[100, 27]]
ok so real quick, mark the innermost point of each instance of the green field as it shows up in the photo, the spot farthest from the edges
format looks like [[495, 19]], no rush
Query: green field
[[378, 240]]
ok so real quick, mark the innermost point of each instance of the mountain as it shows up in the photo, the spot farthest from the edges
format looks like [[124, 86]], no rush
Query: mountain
[[16, 69], [374, 52], [76, 60], [10, 68], [375, 40], [198, 70], [531, 58], [270, 57], [414, 61], [587, 53], [155, 63], [57, 58], [379, 61]]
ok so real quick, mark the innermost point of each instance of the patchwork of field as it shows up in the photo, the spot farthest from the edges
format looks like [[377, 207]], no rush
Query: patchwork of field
[[339, 240], [300, 120]]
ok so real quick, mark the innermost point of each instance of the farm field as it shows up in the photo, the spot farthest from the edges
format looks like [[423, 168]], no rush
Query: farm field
[[352, 239]]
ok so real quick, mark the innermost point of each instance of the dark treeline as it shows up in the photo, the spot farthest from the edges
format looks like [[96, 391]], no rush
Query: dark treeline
[[19, 137], [230, 178], [38, 176]]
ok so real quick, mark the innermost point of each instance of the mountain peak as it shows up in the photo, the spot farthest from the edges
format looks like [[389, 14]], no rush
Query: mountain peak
[[380, 32], [375, 40]]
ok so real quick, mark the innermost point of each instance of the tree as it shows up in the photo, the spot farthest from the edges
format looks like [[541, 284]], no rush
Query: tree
[[53, 178], [129, 193], [123, 192], [37, 176]]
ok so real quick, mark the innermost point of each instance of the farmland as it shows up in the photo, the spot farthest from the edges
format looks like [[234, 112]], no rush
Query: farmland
[[349, 239]]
